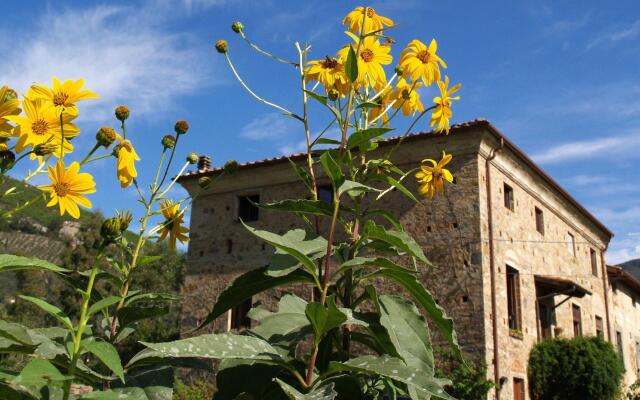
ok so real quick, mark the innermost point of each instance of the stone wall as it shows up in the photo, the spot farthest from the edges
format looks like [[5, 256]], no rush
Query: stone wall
[[626, 320]]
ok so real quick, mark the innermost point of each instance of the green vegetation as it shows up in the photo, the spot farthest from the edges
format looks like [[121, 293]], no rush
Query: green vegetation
[[468, 382], [578, 368]]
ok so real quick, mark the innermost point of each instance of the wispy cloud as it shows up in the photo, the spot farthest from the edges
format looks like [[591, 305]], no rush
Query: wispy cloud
[[123, 54], [618, 145], [622, 33], [565, 26], [268, 126]]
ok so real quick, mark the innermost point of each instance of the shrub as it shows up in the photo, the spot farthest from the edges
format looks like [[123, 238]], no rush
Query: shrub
[[468, 382], [579, 368]]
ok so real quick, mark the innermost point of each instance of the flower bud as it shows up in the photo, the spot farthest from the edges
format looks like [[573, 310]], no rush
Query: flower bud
[[124, 218], [110, 229], [222, 46], [230, 166], [7, 158], [122, 112], [106, 136], [204, 182], [399, 70], [333, 94], [9, 95], [168, 141], [43, 149], [192, 158], [237, 27], [181, 127]]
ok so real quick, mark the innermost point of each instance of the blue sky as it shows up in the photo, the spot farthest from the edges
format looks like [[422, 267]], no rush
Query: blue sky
[[559, 78]]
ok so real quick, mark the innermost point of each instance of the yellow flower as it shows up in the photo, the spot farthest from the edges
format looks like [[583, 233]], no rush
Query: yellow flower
[[372, 23], [63, 96], [172, 226], [442, 114], [329, 72], [431, 177], [420, 61], [371, 56], [126, 168], [68, 187], [40, 124], [383, 102], [407, 97], [9, 105]]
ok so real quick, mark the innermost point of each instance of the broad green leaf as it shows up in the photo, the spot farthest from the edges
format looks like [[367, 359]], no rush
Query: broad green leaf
[[396, 369], [131, 299], [232, 382], [288, 245], [328, 141], [16, 333], [102, 304], [379, 262], [9, 262], [144, 260], [250, 284], [324, 392], [316, 207], [217, 346], [310, 244], [304, 176], [368, 104], [332, 169], [106, 353], [354, 188], [398, 239], [359, 137], [320, 99], [388, 216], [408, 332], [147, 384], [398, 185], [51, 309], [38, 373], [411, 284], [351, 65], [129, 315], [323, 319], [8, 392]]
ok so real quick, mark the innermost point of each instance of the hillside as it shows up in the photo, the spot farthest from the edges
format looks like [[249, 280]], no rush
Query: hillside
[[633, 266]]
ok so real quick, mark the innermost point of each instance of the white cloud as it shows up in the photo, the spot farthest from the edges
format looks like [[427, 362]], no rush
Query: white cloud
[[614, 146], [624, 33], [124, 53], [268, 126]]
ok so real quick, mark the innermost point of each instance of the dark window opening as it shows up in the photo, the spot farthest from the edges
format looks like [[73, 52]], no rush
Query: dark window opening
[[539, 221], [599, 327], [508, 197], [577, 320], [518, 389], [619, 346], [325, 193], [571, 244], [239, 318], [594, 262], [229, 246], [513, 299], [545, 315], [247, 211]]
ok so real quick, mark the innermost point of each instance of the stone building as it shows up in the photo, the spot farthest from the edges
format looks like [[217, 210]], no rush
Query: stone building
[[516, 258]]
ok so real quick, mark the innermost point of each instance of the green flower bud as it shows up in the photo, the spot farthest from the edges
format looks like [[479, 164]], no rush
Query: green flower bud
[[124, 218], [192, 158], [110, 229], [122, 112], [9, 95], [7, 158], [204, 182], [333, 94], [181, 127], [222, 46], [237, 27], [43, 149], [399, 70], [106, 136], [168, 141], [230, 166]]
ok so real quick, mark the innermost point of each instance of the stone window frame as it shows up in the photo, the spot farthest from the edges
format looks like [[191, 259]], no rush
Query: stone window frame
[[514, 301], [509, 197], [576, 319], [539, 216], [593, 256], [236, 207], [521, 384], [599, 322], [571, 243], [620, 347]]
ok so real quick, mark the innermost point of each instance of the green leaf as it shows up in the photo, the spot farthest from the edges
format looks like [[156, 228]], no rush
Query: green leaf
[[411, 284], [408, 332], [351, 66], [304, 176], [398, 239], [217, 346], [135, 298], [398, 185], [144, 260], [250, 284], [396, 369], [328, 141], [38, 373], [147, 384], [368, 104], [308, 243], [324, 319], [107, 354], [320, 99], [232, 382], [388, 216], [16, 333], [359, 137], [129, 315], [332, 169], [379, 262], [324, 392], [316, 207], [9, 262], [51, 309], [289, 245], [354, 188], [102, 304]]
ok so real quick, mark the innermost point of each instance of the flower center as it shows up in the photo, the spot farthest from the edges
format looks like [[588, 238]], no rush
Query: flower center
[[370, 12], [366, 55], [40, 127], [424, 56], [62, 188], [437, 175], [329, 63], [169, 224], [60, 98], [405, 94]]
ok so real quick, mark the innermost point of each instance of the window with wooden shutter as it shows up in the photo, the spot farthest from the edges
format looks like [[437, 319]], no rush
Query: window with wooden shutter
[[599, 327], [509, 201], [620, 347], [518, 389], [577, 320], [513, 299], [247, 209]]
